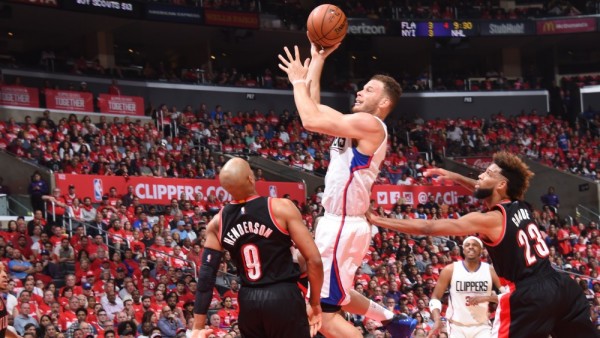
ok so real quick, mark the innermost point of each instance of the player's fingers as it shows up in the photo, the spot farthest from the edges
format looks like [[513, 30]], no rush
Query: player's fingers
[[283, 59], [282, 67], [289, 55], [306, 62], [296, 52]]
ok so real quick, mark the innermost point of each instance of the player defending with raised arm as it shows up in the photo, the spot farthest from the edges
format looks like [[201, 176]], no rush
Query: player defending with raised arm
[[258, 232], [470, 283], [359, 147], [540, 301]]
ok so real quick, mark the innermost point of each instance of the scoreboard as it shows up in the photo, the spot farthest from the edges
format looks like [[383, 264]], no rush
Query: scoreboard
[[433, 29]]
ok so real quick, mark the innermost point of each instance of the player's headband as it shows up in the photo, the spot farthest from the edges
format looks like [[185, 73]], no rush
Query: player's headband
[[476, 239]]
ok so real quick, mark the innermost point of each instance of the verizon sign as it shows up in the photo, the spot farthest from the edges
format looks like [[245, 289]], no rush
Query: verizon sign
[[367, 27]]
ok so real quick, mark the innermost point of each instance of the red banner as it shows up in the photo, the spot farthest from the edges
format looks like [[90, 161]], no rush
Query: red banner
[[153, 190], [565, 26], [44, 3], [19, 96], [478, 162], [387, 195], [119, 104], [69, 100], [231, 19]]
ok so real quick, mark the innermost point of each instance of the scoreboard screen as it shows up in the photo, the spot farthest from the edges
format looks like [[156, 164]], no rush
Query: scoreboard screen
[[434, 29]]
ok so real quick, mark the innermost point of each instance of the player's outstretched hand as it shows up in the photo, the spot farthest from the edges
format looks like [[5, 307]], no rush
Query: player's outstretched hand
[[371, 217], [437, 171], [204, 333], [321, 52], [314, 318], [293, 66]]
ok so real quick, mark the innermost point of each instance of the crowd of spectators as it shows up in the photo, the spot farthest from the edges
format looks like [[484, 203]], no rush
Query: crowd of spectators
[[182, 143], [127, 269], [145, 273]]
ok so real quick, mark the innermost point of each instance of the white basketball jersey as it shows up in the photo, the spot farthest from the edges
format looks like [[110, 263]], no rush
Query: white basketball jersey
[[468, 284], [350, 176]]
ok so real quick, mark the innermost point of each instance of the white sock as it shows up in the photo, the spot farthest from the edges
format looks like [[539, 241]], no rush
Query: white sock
[[378, 312]]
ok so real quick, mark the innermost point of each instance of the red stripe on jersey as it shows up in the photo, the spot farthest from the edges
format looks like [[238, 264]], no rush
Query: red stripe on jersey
[[504, 330], [496, 242], [220, 225], [335, 261], [274, 220]]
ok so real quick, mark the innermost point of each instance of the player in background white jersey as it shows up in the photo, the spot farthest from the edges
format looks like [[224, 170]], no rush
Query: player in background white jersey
[[470, 283], [359, 147]]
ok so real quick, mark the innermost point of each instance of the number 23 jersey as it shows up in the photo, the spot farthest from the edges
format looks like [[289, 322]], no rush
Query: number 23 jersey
[[521, 250], [259, 247]]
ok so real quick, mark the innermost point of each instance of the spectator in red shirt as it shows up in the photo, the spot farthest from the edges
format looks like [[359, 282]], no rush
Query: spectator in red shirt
[[564, 240], [55, 206], [228, 313], [68, 316], [114, 89]]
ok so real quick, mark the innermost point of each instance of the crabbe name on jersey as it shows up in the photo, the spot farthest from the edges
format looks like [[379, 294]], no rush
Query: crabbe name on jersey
[[519, 216], [246, 228]]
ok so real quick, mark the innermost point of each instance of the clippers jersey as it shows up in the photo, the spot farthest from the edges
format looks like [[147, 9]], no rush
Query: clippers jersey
[[521, 251], [465, 284], [350, 176], [259, 248]]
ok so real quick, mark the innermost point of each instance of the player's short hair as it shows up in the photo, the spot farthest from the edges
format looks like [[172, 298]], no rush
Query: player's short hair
[[516, 172], [391, 87]]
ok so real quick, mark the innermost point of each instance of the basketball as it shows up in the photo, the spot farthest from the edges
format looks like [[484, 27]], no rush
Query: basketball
[[327, 25]]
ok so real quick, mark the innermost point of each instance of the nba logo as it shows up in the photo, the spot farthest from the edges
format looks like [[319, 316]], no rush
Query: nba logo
[[273, 191], [98, 191]]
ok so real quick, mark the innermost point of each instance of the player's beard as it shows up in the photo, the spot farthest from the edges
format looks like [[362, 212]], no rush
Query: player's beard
[[482, 193]]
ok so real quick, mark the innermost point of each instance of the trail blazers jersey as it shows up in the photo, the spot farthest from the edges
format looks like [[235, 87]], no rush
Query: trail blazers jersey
[[521, 250], [259, 248], [467, 284], [3, 316]]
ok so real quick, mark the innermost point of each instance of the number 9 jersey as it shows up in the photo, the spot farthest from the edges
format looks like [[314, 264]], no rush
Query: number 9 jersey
[[259, 247]]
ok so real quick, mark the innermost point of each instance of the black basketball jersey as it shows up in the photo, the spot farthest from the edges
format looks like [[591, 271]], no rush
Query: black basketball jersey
[[259, 247], [3, 316], [521, 252]]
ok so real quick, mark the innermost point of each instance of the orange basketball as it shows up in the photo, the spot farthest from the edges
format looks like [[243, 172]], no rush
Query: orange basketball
[[327, 25]]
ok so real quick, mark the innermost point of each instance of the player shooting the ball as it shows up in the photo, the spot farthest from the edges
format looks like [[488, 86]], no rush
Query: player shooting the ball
[[359, 147]]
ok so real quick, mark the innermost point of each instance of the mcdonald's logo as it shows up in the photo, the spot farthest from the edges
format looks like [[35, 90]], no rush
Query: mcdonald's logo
[[549, 26]]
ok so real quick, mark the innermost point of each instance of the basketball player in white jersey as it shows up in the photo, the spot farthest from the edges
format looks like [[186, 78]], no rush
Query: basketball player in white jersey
[[359, 147], [470, 284]]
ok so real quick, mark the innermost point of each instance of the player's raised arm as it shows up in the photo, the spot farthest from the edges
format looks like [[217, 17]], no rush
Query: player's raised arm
[[326, 120], [466, 182], [315, 69]]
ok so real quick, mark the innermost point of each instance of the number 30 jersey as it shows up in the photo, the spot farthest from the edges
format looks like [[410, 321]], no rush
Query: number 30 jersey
[[259, 247], [521, 251]]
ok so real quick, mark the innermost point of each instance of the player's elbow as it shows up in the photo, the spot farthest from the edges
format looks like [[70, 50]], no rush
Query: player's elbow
[[311, 124], [428, 228], [315, 262]]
